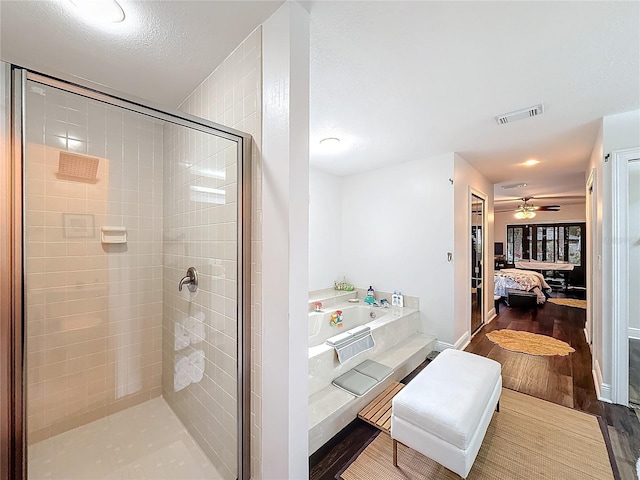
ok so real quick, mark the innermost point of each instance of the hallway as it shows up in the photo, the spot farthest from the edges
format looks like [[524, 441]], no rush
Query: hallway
[[563, 380]]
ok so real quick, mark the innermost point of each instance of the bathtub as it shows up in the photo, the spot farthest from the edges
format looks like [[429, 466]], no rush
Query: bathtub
[[390, 327], [320, 328]]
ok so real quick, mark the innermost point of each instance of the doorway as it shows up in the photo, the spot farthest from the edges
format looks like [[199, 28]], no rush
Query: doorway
[[477, 261], [625, 254]]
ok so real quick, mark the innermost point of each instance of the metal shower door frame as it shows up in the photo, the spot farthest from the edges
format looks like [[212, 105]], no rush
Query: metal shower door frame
[[12, 231]]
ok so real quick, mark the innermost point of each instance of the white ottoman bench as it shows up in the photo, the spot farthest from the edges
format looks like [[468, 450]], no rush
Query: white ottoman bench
[[445, 410]]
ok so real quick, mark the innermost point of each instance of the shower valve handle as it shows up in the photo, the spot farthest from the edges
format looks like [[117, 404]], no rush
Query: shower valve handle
[[191, 280]]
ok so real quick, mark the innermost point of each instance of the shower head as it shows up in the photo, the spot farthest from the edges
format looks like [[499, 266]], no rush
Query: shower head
[[74, 166]]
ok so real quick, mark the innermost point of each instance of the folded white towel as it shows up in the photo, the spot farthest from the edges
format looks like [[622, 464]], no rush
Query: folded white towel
[[180, 363], [195, 374], [189, 324], [181, 338], [196, 358], [198, 333], [181, 379]]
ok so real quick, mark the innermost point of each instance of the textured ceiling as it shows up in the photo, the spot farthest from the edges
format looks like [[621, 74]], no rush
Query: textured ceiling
[[161, 52], [396, 81], [402, 81]]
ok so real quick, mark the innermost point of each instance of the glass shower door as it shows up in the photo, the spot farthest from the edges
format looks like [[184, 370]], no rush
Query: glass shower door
[[200, 328], [126, 376]]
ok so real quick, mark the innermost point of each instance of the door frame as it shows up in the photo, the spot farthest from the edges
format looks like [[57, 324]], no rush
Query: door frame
[[591, 205], [12, 404], [484, 197], [620, 272]]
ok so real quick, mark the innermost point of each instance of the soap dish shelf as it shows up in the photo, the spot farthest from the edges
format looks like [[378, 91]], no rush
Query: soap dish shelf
[[113, 234]]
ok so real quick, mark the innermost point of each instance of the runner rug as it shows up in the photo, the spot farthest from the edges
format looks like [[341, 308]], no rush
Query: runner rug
[[529, 438]]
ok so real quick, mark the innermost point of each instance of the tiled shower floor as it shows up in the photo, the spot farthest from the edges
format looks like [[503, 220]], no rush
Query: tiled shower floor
[[143, 442]]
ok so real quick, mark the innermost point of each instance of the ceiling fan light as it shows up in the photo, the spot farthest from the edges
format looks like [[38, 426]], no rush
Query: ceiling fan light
[[524, 214]]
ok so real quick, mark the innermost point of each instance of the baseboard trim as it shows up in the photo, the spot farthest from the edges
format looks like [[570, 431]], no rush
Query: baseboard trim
[[491, 315], [603, 390], [634, 333], [462, 342], [442, 346], [605, 393]]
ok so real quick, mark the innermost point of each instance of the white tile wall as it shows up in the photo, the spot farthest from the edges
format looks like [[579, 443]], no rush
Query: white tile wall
[[200, 230], [93, 311], [231, 96]]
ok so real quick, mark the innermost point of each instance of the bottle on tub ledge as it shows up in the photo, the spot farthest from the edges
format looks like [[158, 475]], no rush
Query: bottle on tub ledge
[[397, 299], [370, 298]]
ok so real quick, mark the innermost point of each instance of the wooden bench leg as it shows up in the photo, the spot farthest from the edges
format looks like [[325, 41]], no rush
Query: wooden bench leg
[[498, 406], [395, 452]]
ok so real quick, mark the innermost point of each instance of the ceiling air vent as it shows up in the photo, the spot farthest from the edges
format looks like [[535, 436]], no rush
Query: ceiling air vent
[[514, 185], [520, 114]]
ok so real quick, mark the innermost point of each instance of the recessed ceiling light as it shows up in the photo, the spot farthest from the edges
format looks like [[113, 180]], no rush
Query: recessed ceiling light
[[102, 10], [531, 162], [333, 141]]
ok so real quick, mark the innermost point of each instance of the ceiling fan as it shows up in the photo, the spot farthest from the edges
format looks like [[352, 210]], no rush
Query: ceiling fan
[[527, 210]]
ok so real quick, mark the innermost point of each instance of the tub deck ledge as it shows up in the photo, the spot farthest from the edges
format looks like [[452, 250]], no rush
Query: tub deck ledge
[[331, 409]]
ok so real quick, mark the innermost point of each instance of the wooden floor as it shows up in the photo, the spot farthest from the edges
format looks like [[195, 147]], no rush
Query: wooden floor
[[566, 381]]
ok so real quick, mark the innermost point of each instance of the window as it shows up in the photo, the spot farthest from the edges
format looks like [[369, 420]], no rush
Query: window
[[558, 242], [575, 244]]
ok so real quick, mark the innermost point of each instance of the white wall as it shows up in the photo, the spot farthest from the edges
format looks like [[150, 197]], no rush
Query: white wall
[[466, 178], [325, 229], [594, 263], [618, 132], [397, 227], [285, 241], [567, 213], [621, 131]]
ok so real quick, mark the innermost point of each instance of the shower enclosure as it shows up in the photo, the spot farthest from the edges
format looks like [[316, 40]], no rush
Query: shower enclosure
[[125, 366]]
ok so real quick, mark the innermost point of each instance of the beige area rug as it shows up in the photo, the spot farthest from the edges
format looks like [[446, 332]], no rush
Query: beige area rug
[[528, 439], [569, 302], [531, 343]]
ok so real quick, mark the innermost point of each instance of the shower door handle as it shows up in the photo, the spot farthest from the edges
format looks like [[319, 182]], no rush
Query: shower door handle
[[191, 280]]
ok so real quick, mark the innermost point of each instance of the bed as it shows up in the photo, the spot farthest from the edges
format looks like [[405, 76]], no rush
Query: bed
[[527, 280]]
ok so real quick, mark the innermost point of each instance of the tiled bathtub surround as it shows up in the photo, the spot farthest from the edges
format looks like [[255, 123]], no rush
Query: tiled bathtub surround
[[230, 96], [93, 310]]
